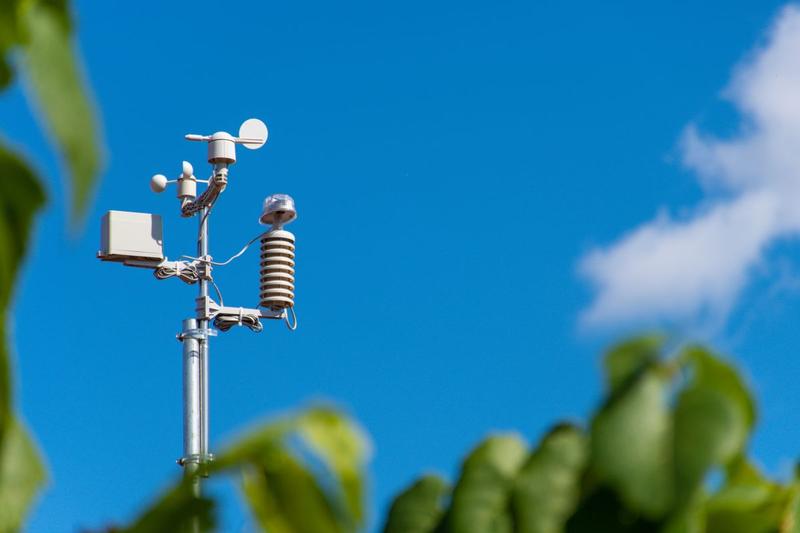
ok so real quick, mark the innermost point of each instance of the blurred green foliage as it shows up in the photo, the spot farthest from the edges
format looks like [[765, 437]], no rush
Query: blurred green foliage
[[35, 42], [300, 474], [642, 465]]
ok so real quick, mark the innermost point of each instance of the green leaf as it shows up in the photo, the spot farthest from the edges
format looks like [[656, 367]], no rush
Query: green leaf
[[790, 522], [601, 511], [547, 488], [21, 475], [176, 511], [275, 479], [9, 36], [255, 446], [631, 443], [50, 62], [283, 493], [343, 448], [713, 418], [627, 359], [21, 196], [748, 502], [6, 72], [482, 497], [285, 498], [689, 517], [419, 508]]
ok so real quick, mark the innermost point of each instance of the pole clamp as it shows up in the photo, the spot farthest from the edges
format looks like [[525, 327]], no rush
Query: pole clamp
[[198, 334], [200, 460]]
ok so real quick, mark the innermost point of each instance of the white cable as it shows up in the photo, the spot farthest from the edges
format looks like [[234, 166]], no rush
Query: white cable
[[203, 223], [216, 184], [293, 324], [219, 293], [208, 197], [236, 255]]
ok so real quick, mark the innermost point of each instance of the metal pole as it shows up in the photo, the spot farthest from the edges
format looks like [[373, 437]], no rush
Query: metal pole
[[202, 251], [195, 382], [191, 402]]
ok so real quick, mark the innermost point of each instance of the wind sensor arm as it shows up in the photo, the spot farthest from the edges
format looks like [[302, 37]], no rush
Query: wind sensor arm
[[253, 134]]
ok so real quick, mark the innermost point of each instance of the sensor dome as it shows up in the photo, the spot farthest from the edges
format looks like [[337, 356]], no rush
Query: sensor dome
[[278, 210]]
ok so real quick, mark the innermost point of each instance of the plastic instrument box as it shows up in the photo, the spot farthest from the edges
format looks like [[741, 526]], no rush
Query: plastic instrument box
[[126, 235]]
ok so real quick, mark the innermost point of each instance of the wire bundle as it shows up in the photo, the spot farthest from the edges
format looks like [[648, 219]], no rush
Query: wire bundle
[[224, 322], [186, 272]]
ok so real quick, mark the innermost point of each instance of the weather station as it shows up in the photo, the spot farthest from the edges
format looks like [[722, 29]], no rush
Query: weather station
[[136, 240]]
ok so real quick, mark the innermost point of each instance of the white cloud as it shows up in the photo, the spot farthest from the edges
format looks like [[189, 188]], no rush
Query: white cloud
[[682, 270]]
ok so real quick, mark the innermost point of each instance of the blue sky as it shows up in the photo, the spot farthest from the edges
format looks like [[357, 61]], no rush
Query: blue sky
[[455, 167]]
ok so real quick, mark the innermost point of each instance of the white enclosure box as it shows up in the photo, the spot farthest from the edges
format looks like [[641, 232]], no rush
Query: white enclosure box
[[125, 235]]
